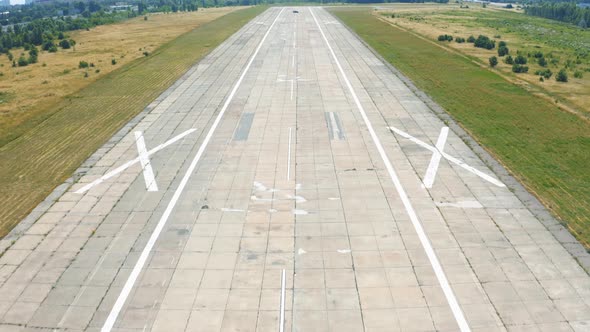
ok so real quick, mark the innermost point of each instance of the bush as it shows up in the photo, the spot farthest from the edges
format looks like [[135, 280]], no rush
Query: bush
[[471, 39], [508, 60], [546, 73], [52, 49], [538, 54], [578, 74], [542, 62], [146, 53], [445, 38], [484, 42], [519, 68], [520, 60], [83, 64], [459, 40], [493, 61], [47, 45], [10, 56], [561, 76], [64, 43], [33, 55], [22, 61], [113, 62], [503, 50], [502, 43]]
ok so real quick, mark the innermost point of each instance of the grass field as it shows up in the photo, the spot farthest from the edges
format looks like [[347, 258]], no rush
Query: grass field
[[33, 164], [36, 89], [546, 148], [564, 45]]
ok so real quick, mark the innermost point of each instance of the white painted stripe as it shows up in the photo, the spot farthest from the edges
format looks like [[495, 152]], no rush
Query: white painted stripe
[[282, 313], [292, 85], [289, 157], [462, 205], [440, 275], [132, 162], [146, 165], [293, 61], [449, 158], [110, 321], [334, 125], [435, 160]]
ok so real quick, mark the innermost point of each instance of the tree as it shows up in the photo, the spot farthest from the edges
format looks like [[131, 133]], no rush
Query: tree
[[493, 61], [471, 39], [64, 43], [33, 55], [83, 64], [22, 61], [519, 68], [561, 76], [484, 42], [503, 50], [509, 60], [520, 60]]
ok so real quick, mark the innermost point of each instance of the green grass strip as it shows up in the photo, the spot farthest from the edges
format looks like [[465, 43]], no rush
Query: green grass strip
[[32, 165], [546, 148]]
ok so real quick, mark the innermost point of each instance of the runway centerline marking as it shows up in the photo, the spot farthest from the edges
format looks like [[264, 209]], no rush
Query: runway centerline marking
[[449, 157], [122, 298], [132, 162], [440, 275], [436, 156], [282, 306], [289, 157], [146, 165]]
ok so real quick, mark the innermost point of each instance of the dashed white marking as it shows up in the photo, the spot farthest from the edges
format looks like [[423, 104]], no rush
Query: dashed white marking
[[289, 156], [300, 212], [146, 165], [282, 308], [442, 278], [132, 162], [334, 198], [110, 321], [298, 199], [232, 210], [448, 157], [301, 251], [298, 186], [462, 204], [343, 251], [254, 198], [334, 125], [435, 160], [272, 210]]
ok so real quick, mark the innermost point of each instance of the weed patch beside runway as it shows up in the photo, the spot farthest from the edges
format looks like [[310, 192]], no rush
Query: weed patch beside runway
[[544, 147], [43, 157]]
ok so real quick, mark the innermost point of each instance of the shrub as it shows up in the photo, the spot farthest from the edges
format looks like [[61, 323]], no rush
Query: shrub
[[578, 74], [546, 73], [471, 39], [52, 49], [503, 50], [538, 54], [146, 53], [47, 45], [521, 60], [502, 43], [83, 64], [493, 61], [542, 62], [459, 40], [22, 61], [519, 68], [10, 56], [561, 76], [508, 60], [113, 62], [484, 42], [64, 43], [445, 38]]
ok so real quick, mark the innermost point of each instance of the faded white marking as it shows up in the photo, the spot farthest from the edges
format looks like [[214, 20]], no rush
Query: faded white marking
[[122, 298], [232, 210], [334, 125], [300, 212], [440, 274], [254, 198], [282, 308], [298, 186], [146, 165], [449, 158], [462, 204], [298, 199], [343, 251], [435, 160], [334, 198], [301, 251], [132, 162], [272, 210], [289, 157]]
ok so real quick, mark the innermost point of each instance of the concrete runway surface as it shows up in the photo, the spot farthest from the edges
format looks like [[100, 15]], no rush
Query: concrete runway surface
[[291, 182]]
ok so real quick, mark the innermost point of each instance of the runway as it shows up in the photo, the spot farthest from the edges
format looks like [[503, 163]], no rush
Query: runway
[[291, 182]]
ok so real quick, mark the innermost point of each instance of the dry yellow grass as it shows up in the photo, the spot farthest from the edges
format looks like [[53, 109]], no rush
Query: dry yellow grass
[[35, 89], [432, 23]]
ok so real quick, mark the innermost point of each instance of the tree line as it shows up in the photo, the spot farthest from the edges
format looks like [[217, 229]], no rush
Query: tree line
[[562, 11]]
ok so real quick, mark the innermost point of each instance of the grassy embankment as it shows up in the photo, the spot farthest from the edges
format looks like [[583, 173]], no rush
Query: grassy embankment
[[44, 156], [562, 45], [546, 148]]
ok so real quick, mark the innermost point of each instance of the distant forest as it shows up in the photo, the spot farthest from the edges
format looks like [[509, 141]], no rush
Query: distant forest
[[562, 11]]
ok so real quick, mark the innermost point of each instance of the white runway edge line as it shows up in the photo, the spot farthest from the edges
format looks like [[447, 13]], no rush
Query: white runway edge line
[[111, 319], [436, 156], [440, 275], [282, 306], [449, 158], [132, 162], [146, 165]]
